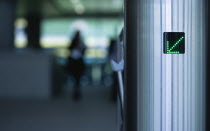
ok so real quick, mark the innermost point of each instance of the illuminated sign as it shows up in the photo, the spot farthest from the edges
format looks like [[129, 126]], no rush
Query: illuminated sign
[[174, 42]]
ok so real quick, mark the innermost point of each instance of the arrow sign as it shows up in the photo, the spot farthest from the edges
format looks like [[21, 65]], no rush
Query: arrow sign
[[174, 43]]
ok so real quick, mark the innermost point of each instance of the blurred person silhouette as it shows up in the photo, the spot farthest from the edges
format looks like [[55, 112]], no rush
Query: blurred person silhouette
[[113, 48], [116, 54], [112, 51], [75, 64]]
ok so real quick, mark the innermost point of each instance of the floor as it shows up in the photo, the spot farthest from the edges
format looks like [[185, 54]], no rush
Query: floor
[[95, 112]]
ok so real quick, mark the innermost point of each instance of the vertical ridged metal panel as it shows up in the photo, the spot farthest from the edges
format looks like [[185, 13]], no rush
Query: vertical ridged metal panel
[[170, 87]]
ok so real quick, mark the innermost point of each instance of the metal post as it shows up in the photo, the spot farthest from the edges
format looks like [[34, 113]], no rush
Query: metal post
[[131, 35]]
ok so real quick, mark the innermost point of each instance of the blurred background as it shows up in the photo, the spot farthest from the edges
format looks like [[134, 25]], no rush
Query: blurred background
[[38, 90]]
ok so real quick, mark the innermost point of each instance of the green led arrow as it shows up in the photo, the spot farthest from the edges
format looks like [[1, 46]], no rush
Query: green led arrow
[[169, 50]]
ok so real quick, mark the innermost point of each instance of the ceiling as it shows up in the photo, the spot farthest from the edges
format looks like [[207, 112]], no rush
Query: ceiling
[[59, 8]]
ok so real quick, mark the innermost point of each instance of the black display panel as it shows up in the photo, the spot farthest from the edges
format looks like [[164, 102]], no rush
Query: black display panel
[[174, 42]]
